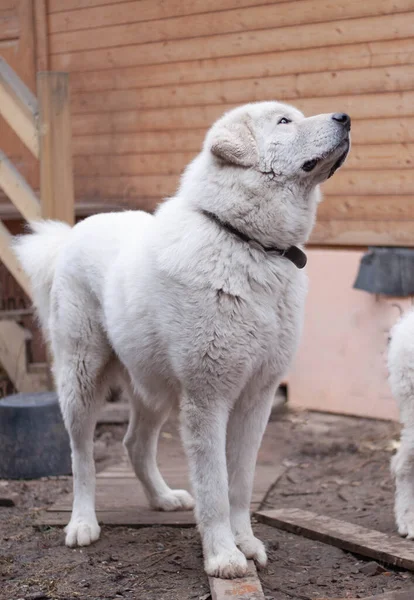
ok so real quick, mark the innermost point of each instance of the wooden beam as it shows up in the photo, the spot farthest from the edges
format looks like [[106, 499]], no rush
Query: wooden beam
[[388, 549], [19, 107], [56, 172], [13, 358], [8, 257], [42, 45], [18, 190], [242, 588]]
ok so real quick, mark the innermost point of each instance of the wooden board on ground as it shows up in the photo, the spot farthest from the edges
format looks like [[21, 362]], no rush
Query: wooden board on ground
[[243, 588], [389, 549], [120, 499], [396, 595]]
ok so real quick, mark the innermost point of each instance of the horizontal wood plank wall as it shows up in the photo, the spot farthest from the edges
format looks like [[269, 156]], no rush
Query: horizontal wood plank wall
[[148, 77]]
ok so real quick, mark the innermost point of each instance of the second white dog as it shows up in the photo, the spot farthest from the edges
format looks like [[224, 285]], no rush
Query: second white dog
[[401, 377], [200, 305]]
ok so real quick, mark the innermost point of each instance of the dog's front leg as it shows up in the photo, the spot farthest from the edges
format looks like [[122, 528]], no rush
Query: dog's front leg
[[204, 435], [245, 431]]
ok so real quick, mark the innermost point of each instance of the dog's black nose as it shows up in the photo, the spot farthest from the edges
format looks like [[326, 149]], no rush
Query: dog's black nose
[[343, 118]]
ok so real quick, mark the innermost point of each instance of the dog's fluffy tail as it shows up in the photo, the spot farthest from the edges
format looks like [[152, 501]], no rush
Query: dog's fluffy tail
[[37, 253]]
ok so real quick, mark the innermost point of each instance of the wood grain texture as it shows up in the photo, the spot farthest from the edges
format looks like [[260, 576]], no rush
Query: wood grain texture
[[346, 183], [255, 18], [289, 87], [190, 140], [122, 11], [364, 233], [150, 77], [391, 550], [350, 56], [41, 35], [243, 588], [374, 157], [313, 35], [18, 190], [18, 106], [56, 171], [360, 107]]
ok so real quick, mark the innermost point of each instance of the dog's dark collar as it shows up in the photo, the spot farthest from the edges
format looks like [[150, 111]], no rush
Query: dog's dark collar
[[293, 253]]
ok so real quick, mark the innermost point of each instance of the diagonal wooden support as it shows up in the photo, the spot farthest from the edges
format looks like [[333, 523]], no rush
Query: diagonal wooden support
[[9, 258], [18, 190], [18, 106]]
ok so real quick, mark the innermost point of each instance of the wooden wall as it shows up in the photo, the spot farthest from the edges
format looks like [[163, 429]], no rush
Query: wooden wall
[[150, 76]]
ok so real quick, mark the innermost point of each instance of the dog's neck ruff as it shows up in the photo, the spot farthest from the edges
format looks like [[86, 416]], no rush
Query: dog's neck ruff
[[293, 253]]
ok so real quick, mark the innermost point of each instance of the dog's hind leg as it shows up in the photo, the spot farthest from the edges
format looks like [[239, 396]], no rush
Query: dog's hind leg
[[82, 371], [402, 466], [245, 430], [141, 441]]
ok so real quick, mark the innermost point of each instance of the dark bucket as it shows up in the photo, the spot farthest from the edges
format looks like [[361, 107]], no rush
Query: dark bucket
[[33, 440], [388, 271]]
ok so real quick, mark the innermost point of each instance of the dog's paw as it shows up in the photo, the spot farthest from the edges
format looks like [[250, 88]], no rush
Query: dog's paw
[[81, 531], [228, 564], [174, 500], [405, 524], [252, 548]]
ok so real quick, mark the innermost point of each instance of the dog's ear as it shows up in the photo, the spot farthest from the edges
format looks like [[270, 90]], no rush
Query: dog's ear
[[235, 144]]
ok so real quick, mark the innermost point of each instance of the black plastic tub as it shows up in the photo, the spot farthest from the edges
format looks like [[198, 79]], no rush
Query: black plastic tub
[[33, 440]]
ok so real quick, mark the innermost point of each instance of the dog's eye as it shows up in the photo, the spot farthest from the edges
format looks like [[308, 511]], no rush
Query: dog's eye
[[309, 165], [284, 121]]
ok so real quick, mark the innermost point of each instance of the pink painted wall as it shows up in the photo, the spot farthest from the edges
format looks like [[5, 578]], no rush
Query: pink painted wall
[[341, 363]]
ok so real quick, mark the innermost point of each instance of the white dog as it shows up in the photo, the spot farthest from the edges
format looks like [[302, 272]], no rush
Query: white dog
[[200, 306], [401, 377]]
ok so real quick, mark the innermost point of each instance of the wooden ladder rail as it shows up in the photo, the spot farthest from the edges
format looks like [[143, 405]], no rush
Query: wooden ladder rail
[[43, 125]]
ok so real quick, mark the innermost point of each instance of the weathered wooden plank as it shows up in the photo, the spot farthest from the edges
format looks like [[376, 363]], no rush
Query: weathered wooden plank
[[389, 549], [129, 12], [396, 595], [374, 208], [13, 339], [350, 56], [8, 257], [9, 24], [18, 190], [346, 183], [378, 183], [391, 105], [366, 29], [18, 106], [131, 164], [190, 140], [131, 517], [243, 588], [67, 6], [311, 85], [56, 171], [362, 158], [253, 18], [385, 131], [363, 233], [42, 42]]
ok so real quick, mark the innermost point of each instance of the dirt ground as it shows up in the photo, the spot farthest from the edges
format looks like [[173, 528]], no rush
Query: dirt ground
[[334, 465]]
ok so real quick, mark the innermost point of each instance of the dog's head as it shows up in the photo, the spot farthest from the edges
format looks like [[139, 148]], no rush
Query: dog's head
[[261, 166], [277, 141]]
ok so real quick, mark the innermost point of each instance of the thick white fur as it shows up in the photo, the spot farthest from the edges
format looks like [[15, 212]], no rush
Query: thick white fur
[[183, 312], [401, 377]]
